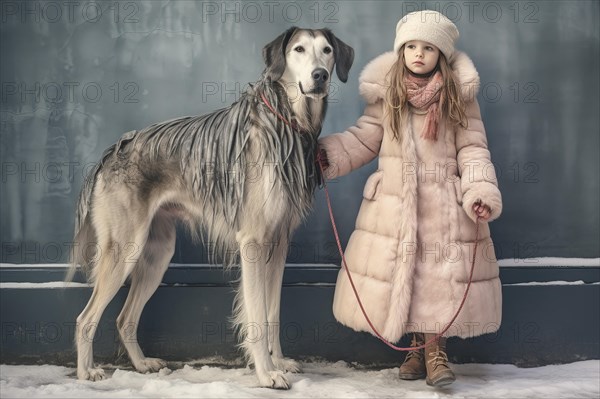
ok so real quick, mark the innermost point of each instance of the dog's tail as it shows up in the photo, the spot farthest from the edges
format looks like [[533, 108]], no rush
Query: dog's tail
[[84, 248], [83, 252]]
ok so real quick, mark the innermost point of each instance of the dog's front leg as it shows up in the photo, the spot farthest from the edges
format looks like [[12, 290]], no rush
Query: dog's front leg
[[275, 269], [254, 329]]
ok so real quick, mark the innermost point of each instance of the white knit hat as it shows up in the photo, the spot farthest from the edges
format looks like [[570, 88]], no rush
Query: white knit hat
[[428, 26]]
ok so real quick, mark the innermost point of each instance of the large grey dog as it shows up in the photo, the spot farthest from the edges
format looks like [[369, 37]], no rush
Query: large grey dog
[[242, 177]]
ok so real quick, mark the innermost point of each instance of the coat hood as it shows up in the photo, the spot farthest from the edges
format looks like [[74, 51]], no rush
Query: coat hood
[[373, 80]]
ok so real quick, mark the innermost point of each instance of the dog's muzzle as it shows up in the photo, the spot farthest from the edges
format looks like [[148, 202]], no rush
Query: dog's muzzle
[[320, 77]]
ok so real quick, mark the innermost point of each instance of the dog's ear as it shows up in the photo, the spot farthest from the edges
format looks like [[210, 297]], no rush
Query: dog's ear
[[343, 54], [274, 54]]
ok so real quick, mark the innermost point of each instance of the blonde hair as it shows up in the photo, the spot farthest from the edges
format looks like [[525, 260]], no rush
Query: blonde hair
[[452, 105]]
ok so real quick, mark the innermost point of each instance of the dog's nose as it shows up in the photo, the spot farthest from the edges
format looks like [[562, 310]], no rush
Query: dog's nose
[[320, 75]]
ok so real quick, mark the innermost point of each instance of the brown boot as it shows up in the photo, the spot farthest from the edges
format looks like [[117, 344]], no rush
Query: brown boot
[[413, 367], [438, 370]]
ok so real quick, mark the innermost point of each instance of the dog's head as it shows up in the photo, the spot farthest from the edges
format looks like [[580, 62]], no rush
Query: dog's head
[[304, 59]]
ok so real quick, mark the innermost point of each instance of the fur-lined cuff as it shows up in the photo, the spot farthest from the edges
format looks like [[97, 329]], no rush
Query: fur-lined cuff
[[484, 192], [338, 159]]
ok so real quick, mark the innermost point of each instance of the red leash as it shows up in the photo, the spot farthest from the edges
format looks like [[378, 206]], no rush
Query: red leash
[[339, 245], [268, 104]]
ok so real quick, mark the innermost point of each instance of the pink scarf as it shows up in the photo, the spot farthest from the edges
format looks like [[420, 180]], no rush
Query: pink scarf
[[424, 93]]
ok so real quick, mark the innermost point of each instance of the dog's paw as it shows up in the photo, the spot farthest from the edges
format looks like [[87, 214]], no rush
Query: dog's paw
[[150, 365], [91, 374], [285, 365], [274, 379]]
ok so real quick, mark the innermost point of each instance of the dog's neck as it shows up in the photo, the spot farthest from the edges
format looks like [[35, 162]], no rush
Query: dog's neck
[[308, 112]]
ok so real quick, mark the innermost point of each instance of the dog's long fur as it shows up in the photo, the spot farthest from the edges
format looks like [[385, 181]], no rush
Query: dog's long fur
[[241, 177]]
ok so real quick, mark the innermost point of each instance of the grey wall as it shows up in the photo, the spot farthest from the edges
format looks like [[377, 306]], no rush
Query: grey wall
[[76, 75]]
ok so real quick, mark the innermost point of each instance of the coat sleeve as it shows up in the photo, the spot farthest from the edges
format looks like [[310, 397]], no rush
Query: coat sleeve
[[355, 147], [478, 177]]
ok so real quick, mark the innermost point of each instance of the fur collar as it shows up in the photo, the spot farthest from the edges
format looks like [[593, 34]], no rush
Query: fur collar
[[373, 78]]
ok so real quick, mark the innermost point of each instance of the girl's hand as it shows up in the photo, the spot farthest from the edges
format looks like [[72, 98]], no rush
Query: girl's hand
[[482, 210]]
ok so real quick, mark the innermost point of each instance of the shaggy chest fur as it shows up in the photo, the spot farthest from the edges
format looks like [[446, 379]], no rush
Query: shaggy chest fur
[[222, 158]]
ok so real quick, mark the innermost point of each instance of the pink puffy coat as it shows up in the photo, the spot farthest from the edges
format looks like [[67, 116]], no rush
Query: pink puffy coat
[[410, 253]]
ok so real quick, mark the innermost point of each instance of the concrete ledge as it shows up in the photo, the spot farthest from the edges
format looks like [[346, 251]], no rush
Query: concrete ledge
[[550, 315]]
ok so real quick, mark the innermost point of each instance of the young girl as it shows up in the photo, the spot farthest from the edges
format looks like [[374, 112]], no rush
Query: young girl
[[410, 254]]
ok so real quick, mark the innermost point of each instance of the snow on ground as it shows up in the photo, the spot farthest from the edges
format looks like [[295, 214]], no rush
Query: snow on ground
[[319, 380]]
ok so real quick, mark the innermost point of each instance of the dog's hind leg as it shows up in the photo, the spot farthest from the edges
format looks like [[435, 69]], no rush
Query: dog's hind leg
[[145, 279], [275, 269], [106, 286], [254, 328], [110, 277], [119, 249]]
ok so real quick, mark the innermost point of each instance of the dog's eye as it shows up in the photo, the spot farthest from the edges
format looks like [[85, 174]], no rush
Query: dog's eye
[[299, 49], [327, 50]]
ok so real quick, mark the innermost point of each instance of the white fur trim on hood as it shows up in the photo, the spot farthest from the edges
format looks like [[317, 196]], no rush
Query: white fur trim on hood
[[373, 80]]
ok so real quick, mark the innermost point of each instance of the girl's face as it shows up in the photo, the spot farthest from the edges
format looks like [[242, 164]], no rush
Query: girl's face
[[420, 57]]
